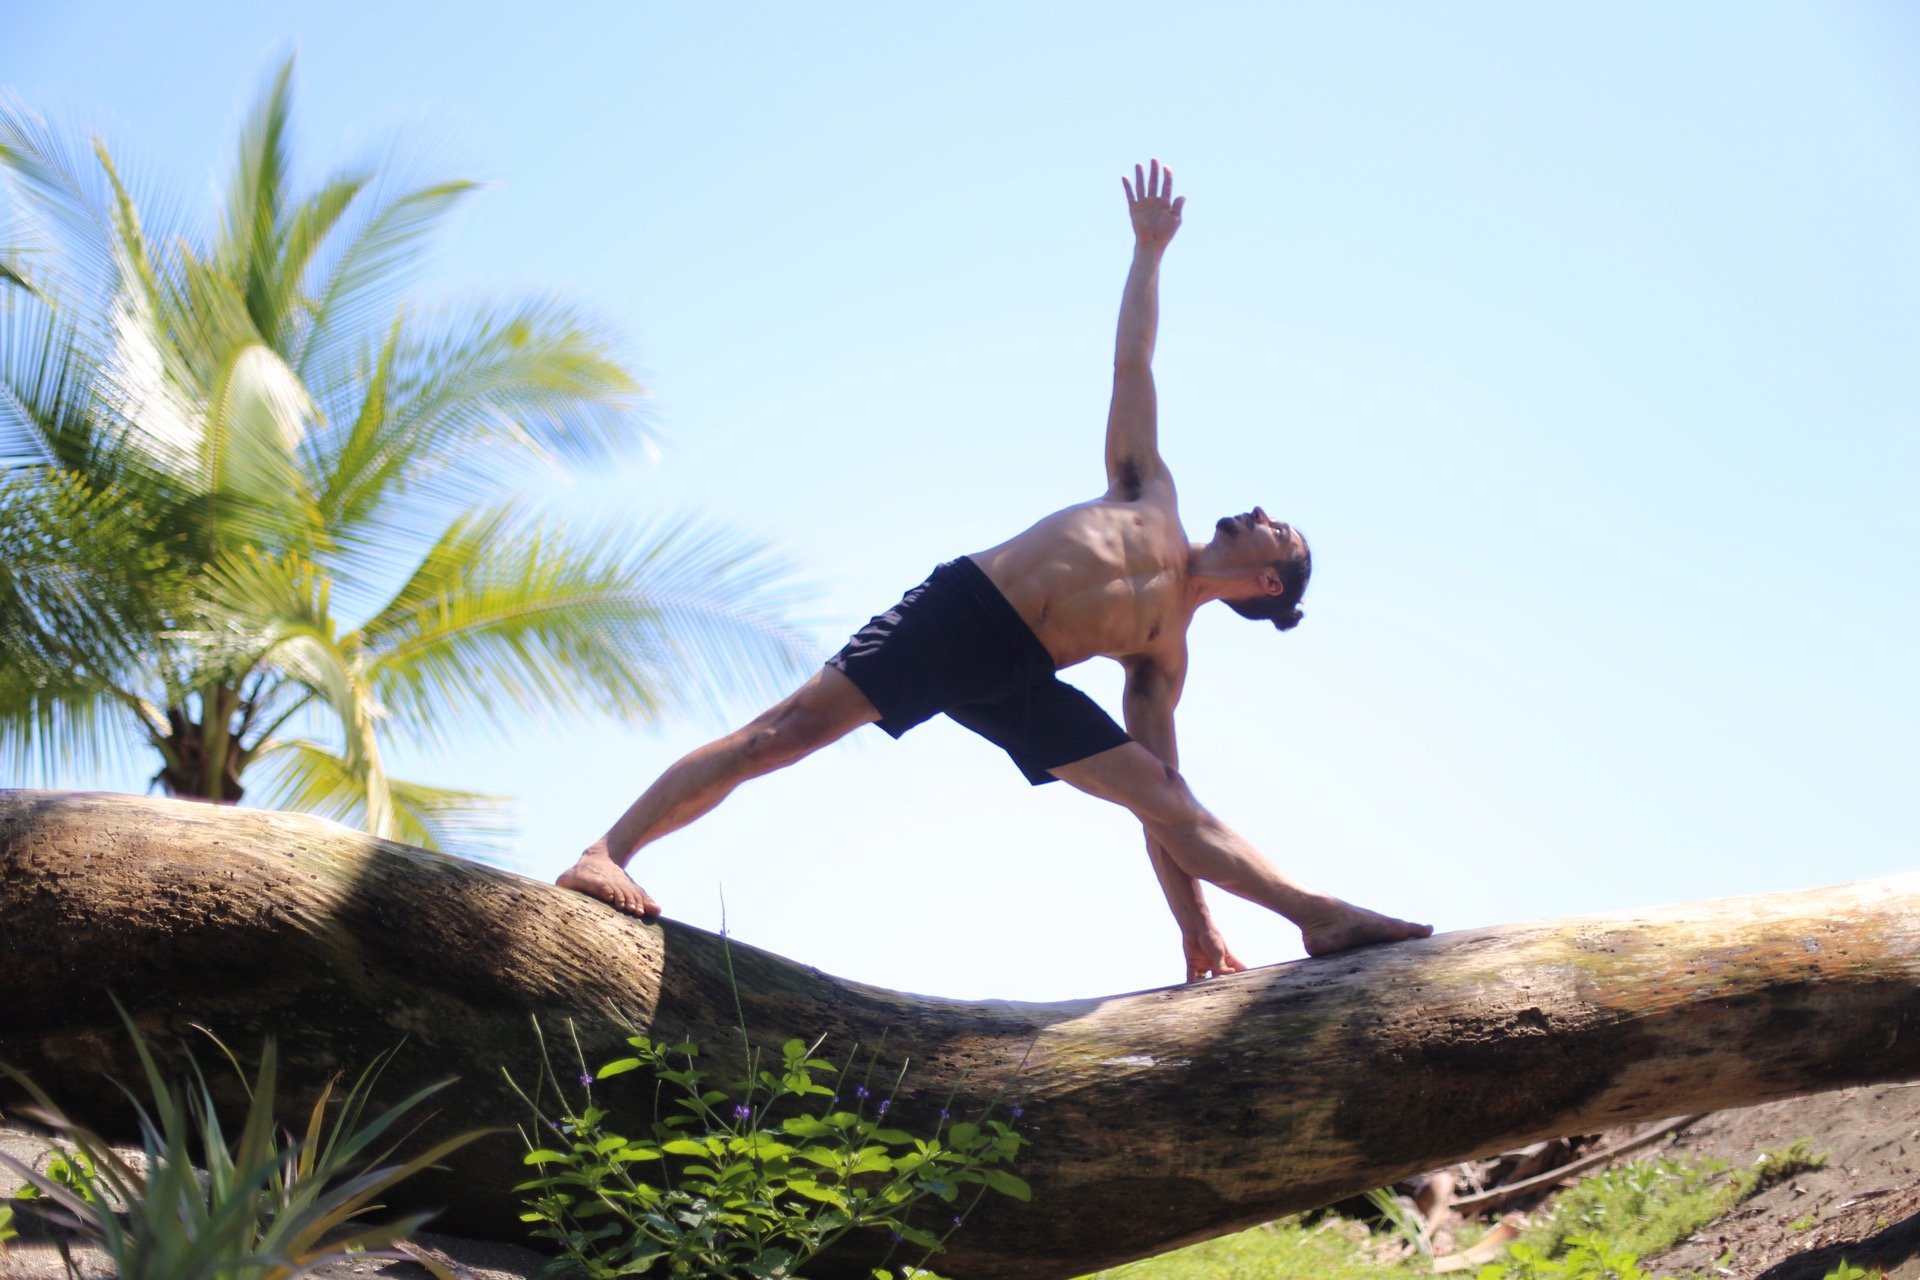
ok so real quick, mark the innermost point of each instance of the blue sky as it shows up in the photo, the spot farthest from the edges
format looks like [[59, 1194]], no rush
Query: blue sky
[[1580, 339]]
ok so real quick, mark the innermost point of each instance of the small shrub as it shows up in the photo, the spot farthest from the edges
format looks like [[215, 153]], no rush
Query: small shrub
[[266, 1200], [748, 1181], [1778, 1165]]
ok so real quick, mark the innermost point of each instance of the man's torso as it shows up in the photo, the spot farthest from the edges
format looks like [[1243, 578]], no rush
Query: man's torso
[[1106, 578]]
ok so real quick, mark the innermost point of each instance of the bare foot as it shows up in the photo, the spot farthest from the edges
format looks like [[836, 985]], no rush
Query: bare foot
[[599, 876], [1344, 926]]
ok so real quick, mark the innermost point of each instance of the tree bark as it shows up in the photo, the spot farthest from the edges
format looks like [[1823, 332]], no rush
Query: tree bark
[[1156, 1118]]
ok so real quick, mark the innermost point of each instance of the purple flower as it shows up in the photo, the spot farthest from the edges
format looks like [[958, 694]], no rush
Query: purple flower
[[945, 1114], [956, 1222], [555, 1126], [742, 1112], [897, 1237], [1017, 1111], [860, 1092], [586, 1078], [884, 1104]]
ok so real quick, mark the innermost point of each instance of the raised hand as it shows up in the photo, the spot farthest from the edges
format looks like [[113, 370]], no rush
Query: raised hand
[[1150, 203]]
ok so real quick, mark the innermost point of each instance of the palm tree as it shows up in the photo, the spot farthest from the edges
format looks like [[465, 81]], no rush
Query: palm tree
[[257, 508]]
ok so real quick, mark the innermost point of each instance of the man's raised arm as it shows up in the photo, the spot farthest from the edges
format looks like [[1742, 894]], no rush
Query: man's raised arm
[[1133, 447]]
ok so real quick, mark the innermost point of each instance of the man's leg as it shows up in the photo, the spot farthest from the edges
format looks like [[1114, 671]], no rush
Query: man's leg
[[823, 710], [1207, 849]]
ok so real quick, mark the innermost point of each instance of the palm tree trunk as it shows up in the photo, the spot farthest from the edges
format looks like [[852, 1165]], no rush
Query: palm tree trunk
[[1156, 1118], [203, 759]]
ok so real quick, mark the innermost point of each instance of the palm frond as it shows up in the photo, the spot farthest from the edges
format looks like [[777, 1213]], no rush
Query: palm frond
[[307, 776], [334, 674], [59, 210], [47, 405], [11, 274], [356, 287], [308, 228], [256, 418], [78, 591], [59, 726], [255, 208], [452, 410], [513, 615]]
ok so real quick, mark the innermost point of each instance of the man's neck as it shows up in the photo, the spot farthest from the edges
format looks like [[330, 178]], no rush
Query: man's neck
[[1207, 582]]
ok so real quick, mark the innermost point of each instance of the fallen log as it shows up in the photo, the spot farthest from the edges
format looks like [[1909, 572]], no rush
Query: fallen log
[[1156, 1118]]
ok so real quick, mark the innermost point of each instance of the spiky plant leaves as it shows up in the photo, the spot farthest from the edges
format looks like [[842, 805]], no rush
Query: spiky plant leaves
[[263, 1205]]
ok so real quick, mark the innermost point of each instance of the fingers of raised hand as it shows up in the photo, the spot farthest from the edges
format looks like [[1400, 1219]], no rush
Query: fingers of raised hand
[[1152, 183]]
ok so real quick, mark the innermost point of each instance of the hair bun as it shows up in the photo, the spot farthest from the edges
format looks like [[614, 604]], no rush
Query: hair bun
[[1288, 620]]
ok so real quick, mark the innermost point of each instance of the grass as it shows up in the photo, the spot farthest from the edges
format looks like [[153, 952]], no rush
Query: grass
[[1596, 1229], [1275, 1251]]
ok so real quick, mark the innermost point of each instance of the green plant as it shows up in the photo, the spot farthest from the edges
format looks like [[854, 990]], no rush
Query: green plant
[[7, 1231], [268, 1206], [1781, 1163], [1640, 1207], [258, 504], [751, 1180], [70, 1169], [1402, 1220], [1802, 1223], [1847, 1271], [1583, 1258]]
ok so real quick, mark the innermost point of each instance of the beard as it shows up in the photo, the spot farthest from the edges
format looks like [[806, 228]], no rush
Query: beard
[[1228, 525]]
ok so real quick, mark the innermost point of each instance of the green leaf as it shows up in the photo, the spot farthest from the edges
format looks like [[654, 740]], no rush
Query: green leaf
[[871, 1160], [618, 1067], [805, 1127], [819, 1191], [635, 1154], [1007, 1184], [684, 1147], [825, 1157]]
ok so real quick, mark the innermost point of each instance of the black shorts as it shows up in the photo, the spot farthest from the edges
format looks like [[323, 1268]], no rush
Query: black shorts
[[953, 644]]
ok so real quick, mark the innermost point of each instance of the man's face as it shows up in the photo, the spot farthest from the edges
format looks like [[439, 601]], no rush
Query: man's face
[[1255, 538]]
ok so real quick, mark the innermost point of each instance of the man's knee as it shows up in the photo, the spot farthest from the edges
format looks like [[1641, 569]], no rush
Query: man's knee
[[791, 730], [1164, 799]]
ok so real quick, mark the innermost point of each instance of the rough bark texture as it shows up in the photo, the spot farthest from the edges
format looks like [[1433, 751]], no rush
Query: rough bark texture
[[1156, 1118]]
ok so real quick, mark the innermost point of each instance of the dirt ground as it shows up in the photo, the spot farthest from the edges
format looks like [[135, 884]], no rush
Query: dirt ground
[[1864, 1206]]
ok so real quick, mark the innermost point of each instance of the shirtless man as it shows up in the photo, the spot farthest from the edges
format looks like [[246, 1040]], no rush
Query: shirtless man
[[982, 638]]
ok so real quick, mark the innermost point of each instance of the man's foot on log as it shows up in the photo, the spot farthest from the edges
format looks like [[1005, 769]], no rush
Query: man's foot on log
[[598, 876], [1343, 926]]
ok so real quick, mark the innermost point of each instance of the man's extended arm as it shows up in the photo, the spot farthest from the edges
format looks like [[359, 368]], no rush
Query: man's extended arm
[[1153, 689], [1133, 449]]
